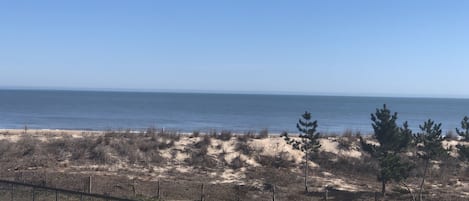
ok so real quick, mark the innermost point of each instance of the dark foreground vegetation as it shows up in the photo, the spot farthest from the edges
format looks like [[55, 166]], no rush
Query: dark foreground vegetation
[[393, 163]]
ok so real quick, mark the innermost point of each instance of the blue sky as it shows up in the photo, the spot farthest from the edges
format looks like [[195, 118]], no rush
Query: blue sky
[[377, 48]]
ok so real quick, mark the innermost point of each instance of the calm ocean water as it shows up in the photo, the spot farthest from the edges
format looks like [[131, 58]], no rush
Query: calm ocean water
[[187, 112]]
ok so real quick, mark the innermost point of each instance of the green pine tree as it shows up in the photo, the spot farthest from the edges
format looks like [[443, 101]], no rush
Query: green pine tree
[[464, 132], [308, 142], [429, 146], [463, 150], [393, 140]]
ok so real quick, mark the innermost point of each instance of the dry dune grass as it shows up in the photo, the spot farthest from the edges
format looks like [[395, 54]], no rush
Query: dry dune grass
[[253, 160]]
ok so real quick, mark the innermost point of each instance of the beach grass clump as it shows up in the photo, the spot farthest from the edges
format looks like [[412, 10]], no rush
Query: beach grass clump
[[80, 148], [450, 135], [264, 133], [27, 146], [279, 161], [198, 153], [344, 143], [248, 135], [169, 135], [225, 135], [195, 134], [244, 148], [237, 163], [5, 147], [204, 142], [28, 152], [101, 154], [199, 158], [60, 148]]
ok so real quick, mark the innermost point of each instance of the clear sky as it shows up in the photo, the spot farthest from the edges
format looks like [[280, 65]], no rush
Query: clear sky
[[384, 48]]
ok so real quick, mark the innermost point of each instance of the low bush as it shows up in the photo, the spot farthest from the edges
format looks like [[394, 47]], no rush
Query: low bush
[[195, 134], [279, 161], [101, 154], [337, 164], [450, 135], [169, 135], [237, 163], [264, 133], [243, 148], [203, 143], [201, 159], [225, 135], [344, 143], [26, 146]]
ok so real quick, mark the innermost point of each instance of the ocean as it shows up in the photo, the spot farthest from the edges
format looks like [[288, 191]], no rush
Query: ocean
[[187, 112]]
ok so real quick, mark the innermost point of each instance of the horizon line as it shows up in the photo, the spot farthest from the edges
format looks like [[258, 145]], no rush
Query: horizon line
[[234, 92]]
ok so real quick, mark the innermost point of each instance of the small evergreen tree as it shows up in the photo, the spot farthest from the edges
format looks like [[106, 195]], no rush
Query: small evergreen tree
[[464, 132], [429, 146], [463, 150], [308, 142], [392, 140]]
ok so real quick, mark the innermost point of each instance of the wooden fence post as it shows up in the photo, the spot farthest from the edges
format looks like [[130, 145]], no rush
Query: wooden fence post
[[326, 194], [34, 194], [12, 191], [45, 178], [89, 184], [273, 192], [134, 189], [202, 196], [237, 192], [158, 190]]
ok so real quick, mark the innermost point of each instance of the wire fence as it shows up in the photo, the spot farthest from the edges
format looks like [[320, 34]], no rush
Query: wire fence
[[36, 186], [18, 191], [39, 186]]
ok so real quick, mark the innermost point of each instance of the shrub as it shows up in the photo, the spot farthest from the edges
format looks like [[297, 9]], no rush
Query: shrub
[[449, 135], [155, 157], [244, 148], [5, 147], [237, 163], [80, 147], [151, 130], [173, 136], [348, 134], [201, 159], [26, 146], [246, 136], [359, 166], [203, 143], [279, 161], [133, 155], [195, 134], [225, 135], [59, 148], [101, 154], [264, 133], [344, 143]]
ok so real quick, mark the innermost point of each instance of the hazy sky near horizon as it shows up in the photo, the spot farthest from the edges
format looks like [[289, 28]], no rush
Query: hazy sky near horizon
[[389, 48]]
